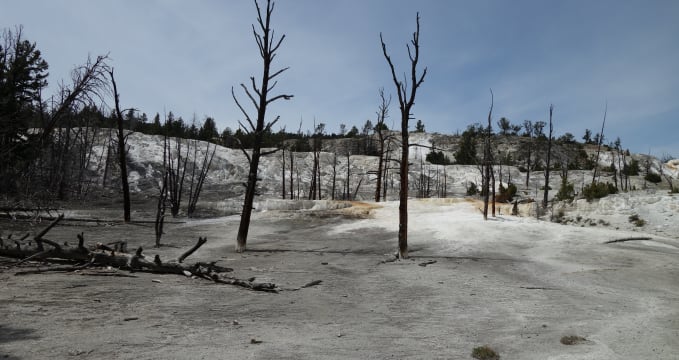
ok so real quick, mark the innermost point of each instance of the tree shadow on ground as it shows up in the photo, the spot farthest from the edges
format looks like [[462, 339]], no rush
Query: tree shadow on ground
[[10, 334]]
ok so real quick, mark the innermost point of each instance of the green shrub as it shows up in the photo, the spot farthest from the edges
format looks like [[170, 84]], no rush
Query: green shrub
[[472, 189], [631, 169], [598, 190], [566, 191], [438, 158], [653, 177], [636, 220]]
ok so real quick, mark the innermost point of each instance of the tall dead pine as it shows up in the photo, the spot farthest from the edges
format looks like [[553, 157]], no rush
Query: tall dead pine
[[406, 99], [600, 141], [122, 152], [259, 96], [549, 158], [487, 162], [381, 130]]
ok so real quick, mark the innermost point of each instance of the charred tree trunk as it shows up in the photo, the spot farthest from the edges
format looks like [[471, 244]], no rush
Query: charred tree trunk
[[380, 128], [283, 190], [334, 175], [406, 101], [598, 147], [492, 188], [267, 50], [197, 183], [292, 169], [122, 151], [487, 163], [549, 157], [347, 188]]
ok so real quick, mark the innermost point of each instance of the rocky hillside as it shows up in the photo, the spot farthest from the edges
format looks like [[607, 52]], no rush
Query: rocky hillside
[[229, 168]]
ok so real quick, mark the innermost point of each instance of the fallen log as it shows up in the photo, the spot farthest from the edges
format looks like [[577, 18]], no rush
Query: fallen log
[[116, 257]]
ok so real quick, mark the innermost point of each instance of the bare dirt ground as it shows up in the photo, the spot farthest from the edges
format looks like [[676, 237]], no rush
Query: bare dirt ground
[[517, 297]]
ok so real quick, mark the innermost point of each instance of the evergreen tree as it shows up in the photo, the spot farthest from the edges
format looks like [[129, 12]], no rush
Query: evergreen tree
[[588, 136], [466, 153], [505, 126], [419, 127], [23, 75], [208, 131]]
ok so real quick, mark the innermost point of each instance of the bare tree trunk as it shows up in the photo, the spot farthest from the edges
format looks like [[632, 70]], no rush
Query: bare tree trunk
[[194, 192], [292, 169], [549, 157], [387, 161], [347, 193], [492, 176], [487, 163], [122, 152], [382, 114], [283, 172], [598, 148], [176, 174], [406, 102], [334, 175], [267, 50]]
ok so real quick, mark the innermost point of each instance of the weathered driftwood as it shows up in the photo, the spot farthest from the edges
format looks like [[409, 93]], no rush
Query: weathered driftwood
[[115, 255]]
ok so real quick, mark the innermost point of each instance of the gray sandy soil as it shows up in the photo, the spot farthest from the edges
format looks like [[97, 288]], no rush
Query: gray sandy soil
[[621, 297]]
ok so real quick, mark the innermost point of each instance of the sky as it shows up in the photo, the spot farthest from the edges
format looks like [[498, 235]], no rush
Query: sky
[[582, 56]]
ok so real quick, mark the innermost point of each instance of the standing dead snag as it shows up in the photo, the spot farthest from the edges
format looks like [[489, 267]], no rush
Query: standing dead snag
[[549, 158], [267, 50], [487, 163], [600, 141], [197, 180], [122, 153], [406, 102], [381, 130]]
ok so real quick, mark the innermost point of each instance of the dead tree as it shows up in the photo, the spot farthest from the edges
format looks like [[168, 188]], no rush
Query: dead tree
[[381, 130], [487, 163], [176, 172], [161, 205], [598, 145], [122, 151], [386, 167], [406, 99], [316, 141], [347, 188], [291, 152], [197, 180], [88, 84], [283, 184], [54, 159], [528, 147], [549, 157], [268, 46], [334, 175]]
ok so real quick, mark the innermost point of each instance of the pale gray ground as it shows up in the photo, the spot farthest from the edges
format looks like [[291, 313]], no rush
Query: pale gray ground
[[517, 297]]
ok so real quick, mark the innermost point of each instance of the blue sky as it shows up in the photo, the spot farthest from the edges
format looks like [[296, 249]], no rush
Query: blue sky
[[579, 55]]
